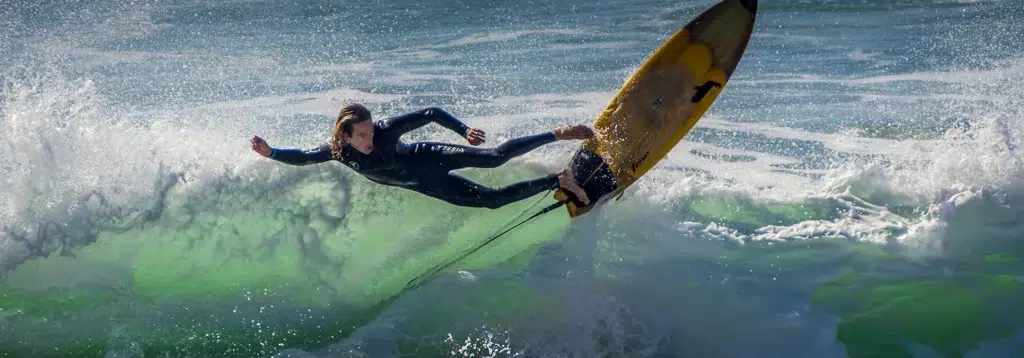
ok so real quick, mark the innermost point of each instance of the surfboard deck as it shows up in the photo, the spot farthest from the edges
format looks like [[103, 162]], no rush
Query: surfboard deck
[[661, 102]]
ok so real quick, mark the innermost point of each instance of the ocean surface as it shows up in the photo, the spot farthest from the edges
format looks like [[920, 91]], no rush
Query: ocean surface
[[856, 191]]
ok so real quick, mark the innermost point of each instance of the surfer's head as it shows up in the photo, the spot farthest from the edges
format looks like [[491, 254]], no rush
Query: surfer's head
[[355, 127]]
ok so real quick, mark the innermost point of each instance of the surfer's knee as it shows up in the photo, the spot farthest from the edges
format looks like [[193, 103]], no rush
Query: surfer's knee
[[486, 201], [493, 202], [490, 200]]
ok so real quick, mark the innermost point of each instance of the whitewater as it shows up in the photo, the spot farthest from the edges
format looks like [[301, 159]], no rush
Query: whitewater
[[856, 191]]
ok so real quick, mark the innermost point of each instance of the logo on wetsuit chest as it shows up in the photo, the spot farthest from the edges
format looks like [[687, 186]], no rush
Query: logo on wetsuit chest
[[353, 164]]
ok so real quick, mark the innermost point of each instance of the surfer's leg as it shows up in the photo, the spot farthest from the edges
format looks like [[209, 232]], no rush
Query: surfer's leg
[[459, 190]]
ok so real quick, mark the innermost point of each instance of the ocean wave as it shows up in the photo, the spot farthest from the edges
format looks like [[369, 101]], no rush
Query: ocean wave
[[195, 244]]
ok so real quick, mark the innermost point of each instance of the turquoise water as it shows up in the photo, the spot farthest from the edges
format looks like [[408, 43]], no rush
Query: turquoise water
[[855, 192]]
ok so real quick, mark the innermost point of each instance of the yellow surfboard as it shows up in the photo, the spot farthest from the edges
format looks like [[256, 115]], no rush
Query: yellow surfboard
[[661, 102]]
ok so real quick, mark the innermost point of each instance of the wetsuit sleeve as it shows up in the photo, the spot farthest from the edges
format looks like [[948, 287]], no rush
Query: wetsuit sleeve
[[302, 157], [409, 121]]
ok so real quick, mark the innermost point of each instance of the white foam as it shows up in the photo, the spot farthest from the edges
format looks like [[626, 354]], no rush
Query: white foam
[[390, 71], [946, 175], [511, 35], [860, 55], [63, 144], [93, 57], [324, 103], [1004, 73], [600, 45], [95, 24]]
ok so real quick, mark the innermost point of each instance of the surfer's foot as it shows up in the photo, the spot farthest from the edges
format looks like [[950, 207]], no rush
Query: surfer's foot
[[573, 131], [566, 180]]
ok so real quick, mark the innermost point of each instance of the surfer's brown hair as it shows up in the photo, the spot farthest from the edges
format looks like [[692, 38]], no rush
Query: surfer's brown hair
[[350, 114]]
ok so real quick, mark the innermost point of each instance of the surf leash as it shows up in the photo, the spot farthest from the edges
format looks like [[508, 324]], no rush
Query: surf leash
[[436, 269]]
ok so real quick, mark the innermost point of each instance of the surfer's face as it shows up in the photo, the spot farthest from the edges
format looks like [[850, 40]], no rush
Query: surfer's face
[[361, 137]]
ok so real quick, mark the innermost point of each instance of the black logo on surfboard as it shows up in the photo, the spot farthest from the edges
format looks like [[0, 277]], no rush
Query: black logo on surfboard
[[637, 163], [703, 90]]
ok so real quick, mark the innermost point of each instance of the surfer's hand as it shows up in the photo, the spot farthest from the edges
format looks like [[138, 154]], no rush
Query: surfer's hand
[[260, 146], [475, 136]]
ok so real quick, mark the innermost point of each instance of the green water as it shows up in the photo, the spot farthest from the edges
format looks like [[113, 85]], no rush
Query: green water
[[227, 271]]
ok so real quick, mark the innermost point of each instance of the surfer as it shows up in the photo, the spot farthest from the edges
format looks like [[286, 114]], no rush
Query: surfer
[[374, 150]]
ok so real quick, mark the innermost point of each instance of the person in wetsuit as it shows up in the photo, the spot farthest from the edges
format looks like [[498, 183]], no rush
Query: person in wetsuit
[[374, 150]]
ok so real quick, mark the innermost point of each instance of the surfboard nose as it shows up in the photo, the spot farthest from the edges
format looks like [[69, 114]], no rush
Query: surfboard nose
[[749, 5]]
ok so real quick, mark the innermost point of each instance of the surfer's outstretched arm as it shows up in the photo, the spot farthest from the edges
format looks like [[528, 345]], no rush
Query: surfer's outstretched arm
[[302, 157], [292, 156], [404, 123]]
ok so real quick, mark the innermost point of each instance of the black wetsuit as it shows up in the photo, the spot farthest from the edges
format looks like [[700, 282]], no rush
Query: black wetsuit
[[425, 166]]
